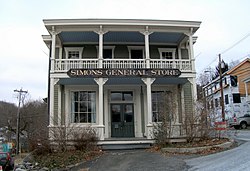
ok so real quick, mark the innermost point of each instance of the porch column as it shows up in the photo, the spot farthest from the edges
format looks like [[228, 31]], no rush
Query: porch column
[[52, 84], [59, 105], [246, 89], [146, 34], [100, 82], [100, 56], [191, 50], [51, 104], [193, 87], [149, 82]]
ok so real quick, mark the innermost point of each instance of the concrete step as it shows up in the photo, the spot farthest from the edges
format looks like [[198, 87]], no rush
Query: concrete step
[[129, 144]]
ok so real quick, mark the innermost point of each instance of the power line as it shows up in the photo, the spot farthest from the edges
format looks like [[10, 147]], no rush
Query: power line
[[236, 43], [246, 36]]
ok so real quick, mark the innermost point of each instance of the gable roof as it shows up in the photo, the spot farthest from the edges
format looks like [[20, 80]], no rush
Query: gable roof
[[238, 66]]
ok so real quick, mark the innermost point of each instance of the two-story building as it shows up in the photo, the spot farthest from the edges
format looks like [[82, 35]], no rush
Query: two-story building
[[235, 91], [116, 75]]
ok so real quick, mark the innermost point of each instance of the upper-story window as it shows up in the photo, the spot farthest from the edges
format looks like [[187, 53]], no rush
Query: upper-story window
[[167, 53], [136, 52], [108, 52], [73, 52]]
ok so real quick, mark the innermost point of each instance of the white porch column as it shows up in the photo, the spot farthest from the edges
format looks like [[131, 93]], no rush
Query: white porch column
[[59, 105], [51, 103], [100, 82], [52, 81], [100, 56], [191, 50], [148, 82], [193, 87], [146, 33]]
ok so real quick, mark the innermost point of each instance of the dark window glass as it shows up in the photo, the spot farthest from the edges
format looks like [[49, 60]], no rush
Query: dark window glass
[[136, 54], [226, 99], [236, 98], [216, 102], [107, 53], [233, 80]]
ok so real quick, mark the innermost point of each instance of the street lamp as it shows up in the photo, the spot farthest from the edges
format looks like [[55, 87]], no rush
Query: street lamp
[[221, 65]]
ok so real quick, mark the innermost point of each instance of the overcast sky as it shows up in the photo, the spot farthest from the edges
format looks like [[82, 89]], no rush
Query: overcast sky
[[24, 60]]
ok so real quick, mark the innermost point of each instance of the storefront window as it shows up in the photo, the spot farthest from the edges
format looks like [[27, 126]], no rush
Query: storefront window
[[83, 107]]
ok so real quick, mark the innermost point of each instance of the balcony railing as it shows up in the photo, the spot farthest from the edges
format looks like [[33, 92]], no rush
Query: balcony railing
[[63, 65]]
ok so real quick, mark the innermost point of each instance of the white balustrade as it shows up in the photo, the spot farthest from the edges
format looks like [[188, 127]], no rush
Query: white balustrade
[[63, 65]]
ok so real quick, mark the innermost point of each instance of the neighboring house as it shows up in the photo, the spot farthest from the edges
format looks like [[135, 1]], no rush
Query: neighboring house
[[110, 74], [236, 86]]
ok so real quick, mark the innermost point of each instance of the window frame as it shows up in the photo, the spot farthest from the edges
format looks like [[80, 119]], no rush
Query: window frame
[[136, 48], [69, 49], [173, 50], [73, 111]]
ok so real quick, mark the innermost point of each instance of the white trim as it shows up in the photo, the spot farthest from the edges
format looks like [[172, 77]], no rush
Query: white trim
[[68, 49], [107, 47], [173, 50], [136, 48]]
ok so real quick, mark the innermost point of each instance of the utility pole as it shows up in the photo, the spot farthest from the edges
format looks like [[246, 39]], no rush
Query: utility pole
[[21, 93], [221, 92]]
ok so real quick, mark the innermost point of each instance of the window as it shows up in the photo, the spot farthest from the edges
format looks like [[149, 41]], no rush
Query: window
[[73, 52], [233, 80], [226, 99], [83, 107], [216, 102], [136, 52], [167, 53], [236, 98], [161, 106], [108, 52]]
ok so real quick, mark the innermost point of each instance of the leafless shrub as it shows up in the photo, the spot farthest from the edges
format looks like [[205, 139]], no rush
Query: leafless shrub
[[85, 139], [163, 128]]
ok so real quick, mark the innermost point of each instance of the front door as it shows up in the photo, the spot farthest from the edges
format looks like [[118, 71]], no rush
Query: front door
[[122, 120]]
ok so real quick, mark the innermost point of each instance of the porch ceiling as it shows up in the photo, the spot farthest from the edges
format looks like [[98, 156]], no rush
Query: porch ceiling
[[117, 37], [121, 81]]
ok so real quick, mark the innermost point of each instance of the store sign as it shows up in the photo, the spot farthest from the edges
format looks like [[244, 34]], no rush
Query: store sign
[[124, 72]]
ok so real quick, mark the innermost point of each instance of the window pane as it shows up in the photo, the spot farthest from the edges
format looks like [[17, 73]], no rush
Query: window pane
[[83, 96], [107, 53], [83, 117], [73, 54], [128, 96], [83, 106], [116, 96], [236, 98]]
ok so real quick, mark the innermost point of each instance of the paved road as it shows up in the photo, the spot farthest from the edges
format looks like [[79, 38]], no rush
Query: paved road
[[135, 160], [141, 160], [236, 159]]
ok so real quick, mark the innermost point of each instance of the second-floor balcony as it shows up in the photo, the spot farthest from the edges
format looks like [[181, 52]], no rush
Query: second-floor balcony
[[63, 65]]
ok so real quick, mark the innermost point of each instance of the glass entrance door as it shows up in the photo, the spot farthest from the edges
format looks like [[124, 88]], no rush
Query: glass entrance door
[[122, 120]]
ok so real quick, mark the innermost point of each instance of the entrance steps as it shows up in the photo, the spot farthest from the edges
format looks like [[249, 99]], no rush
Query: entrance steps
[[125, 143]]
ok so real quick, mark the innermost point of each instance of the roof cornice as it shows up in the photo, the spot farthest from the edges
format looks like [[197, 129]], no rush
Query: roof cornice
[[120, 22]]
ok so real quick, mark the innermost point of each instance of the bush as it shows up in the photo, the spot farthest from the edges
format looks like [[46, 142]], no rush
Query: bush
[[85, 139]]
